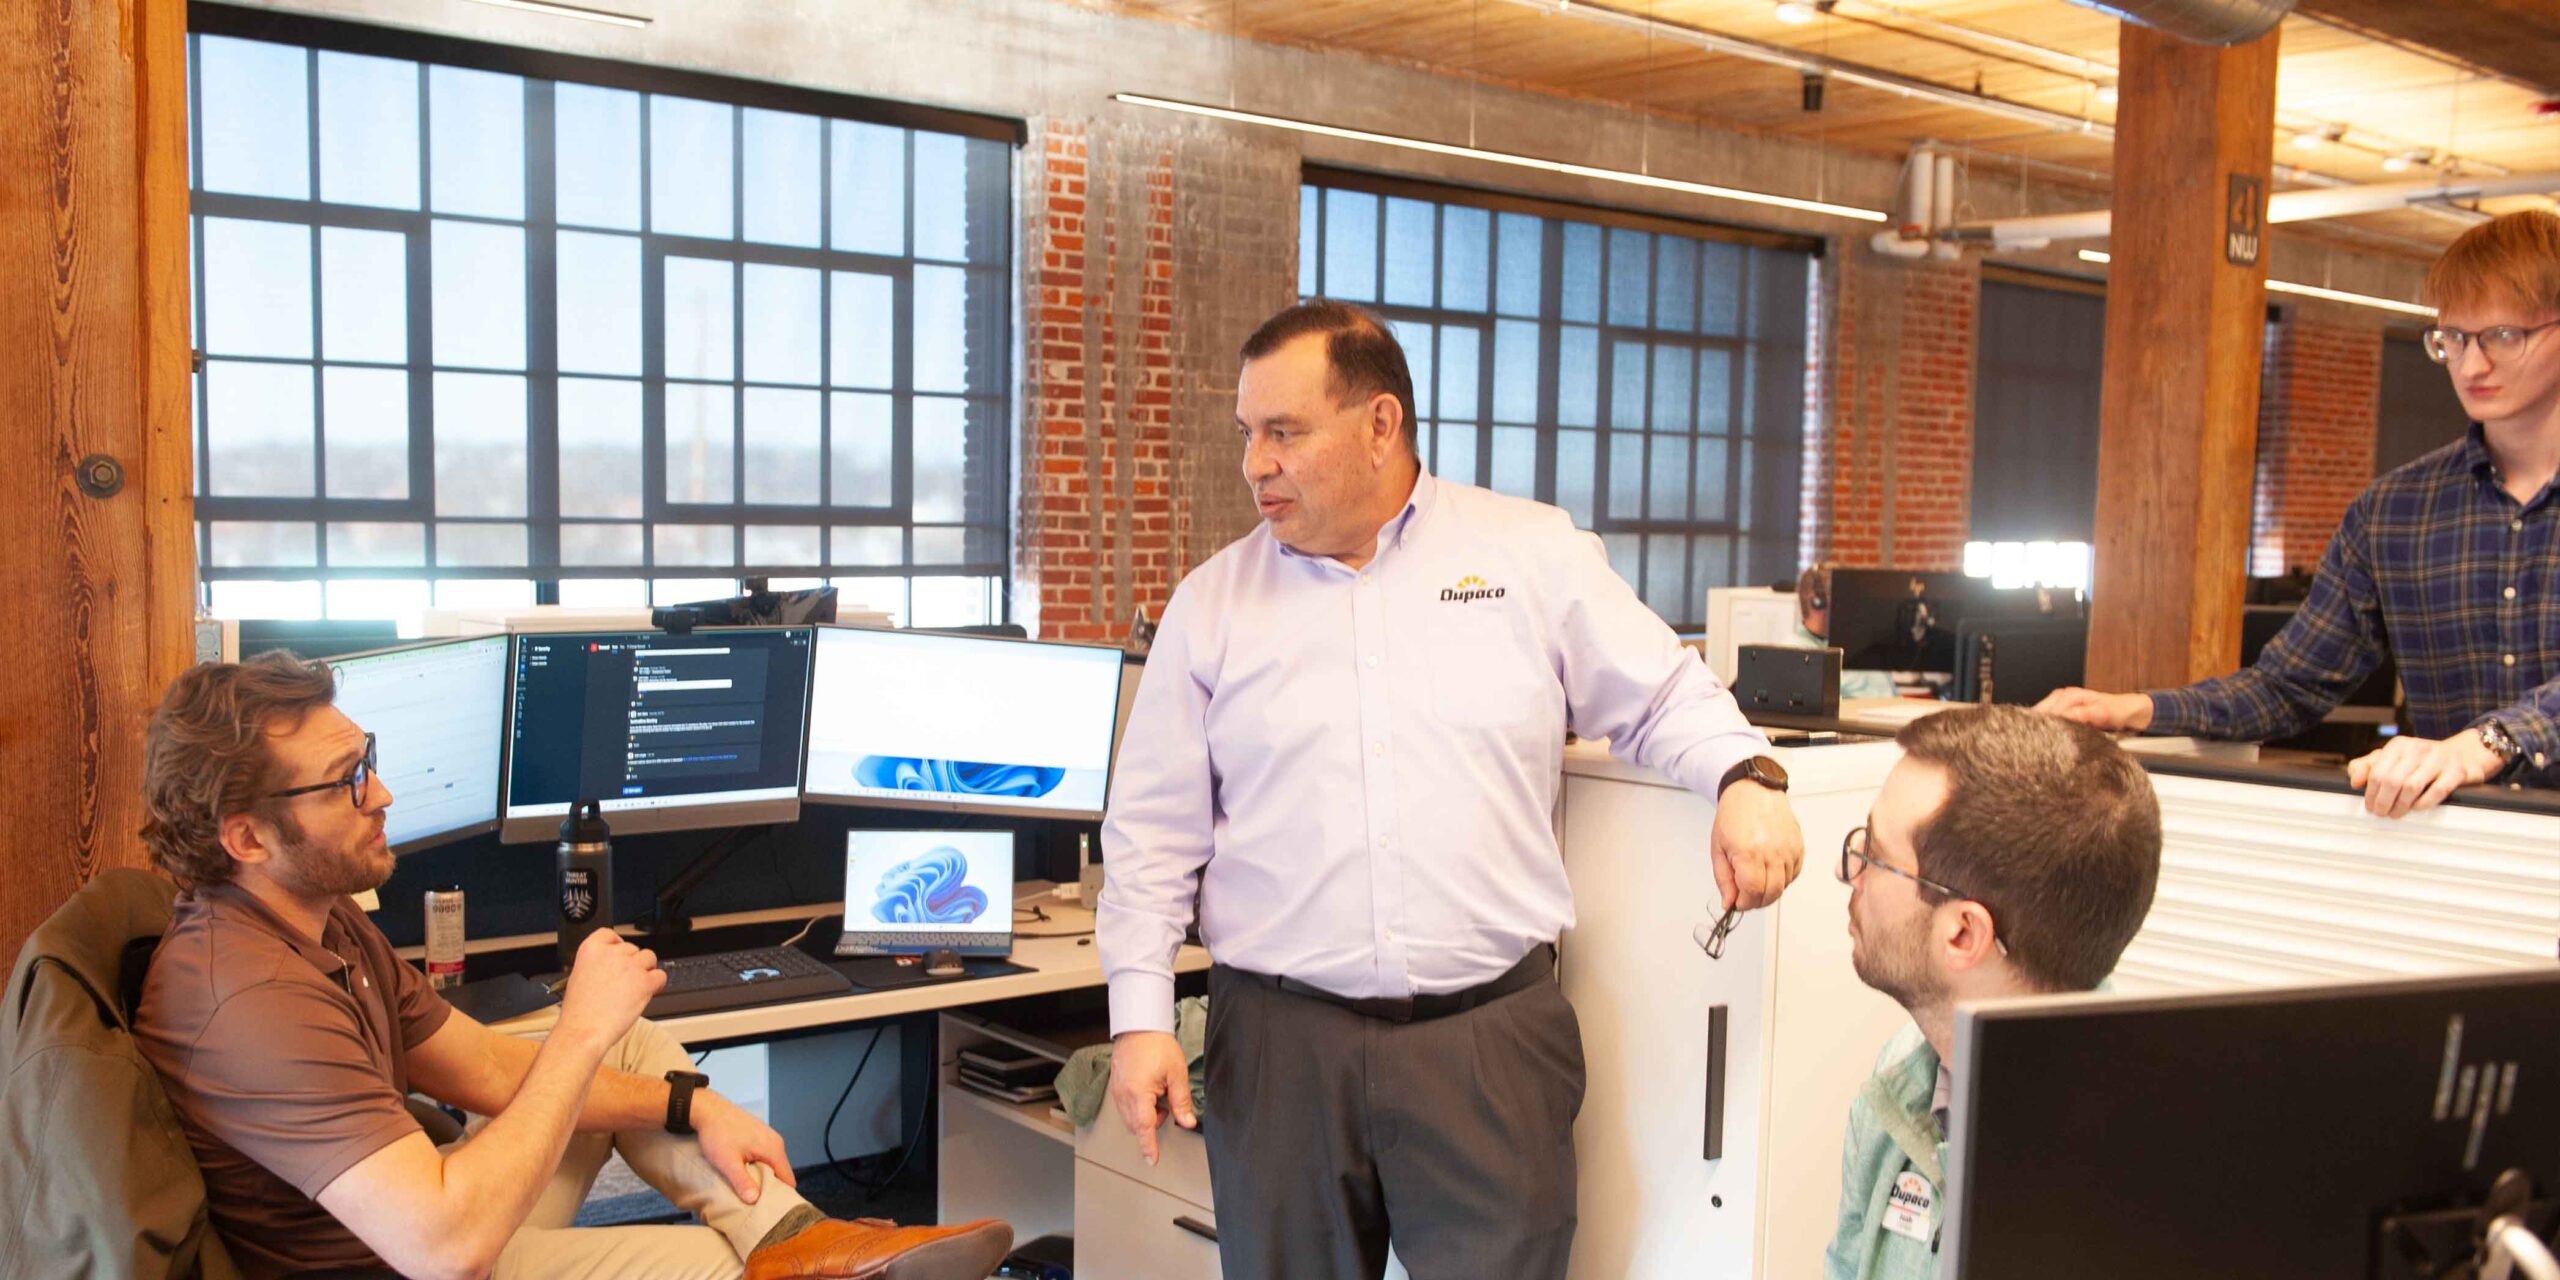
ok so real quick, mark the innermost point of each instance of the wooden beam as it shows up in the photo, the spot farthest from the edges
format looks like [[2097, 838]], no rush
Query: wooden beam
[[2516, 38], [2178, 413], [93, 362]]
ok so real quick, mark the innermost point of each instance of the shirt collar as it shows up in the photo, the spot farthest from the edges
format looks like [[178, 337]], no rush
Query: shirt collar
[[2475, 453], [238, 903]]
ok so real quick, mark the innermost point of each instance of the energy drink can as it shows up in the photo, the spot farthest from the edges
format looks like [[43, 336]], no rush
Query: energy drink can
[[444, 937]]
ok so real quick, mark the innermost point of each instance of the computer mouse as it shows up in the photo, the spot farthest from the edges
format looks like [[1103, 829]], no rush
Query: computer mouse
[[943, 963]]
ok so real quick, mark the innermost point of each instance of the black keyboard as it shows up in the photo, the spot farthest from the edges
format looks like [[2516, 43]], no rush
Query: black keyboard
[[742, 979]]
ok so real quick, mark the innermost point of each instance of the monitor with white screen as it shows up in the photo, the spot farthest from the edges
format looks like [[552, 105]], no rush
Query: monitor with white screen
[[437, 713], [666, 732], [913, 719], [908, 892]]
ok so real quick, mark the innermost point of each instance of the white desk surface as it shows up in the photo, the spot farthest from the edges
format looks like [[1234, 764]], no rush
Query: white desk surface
[[1057, 964]]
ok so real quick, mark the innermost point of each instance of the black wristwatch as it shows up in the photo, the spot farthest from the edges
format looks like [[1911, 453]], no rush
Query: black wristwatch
[[1761, 769], [2498, 738], [680, 1087]]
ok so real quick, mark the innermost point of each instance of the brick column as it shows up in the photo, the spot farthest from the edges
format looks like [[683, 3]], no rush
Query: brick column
[[2319, 390], [1889, 437]]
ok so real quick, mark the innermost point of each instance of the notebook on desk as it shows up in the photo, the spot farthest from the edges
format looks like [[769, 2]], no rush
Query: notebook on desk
[[909, 892]]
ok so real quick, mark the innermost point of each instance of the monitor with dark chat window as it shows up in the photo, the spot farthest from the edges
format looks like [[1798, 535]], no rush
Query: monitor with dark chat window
[[666, 732], [918, 719]]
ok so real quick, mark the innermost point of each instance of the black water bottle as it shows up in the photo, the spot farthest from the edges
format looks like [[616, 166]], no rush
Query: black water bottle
[[586, 878]]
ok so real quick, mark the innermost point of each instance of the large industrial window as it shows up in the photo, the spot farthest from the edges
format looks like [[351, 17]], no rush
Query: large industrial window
[[1645, 375], [481, 325]]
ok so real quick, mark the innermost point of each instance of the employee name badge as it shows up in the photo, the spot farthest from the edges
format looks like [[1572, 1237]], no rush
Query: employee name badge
[[1907, 1207]]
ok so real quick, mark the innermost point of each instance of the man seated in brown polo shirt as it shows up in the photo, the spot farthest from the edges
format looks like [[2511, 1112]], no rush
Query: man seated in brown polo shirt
[[289, 1037]]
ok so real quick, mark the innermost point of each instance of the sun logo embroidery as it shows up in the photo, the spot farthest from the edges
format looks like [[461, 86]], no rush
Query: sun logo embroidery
[[1469, 588]]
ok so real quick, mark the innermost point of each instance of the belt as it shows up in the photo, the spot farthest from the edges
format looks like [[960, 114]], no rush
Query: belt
[[1536, 967]]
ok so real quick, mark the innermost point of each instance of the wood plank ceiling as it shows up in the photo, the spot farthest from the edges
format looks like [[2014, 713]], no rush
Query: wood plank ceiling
[[2366, 98]]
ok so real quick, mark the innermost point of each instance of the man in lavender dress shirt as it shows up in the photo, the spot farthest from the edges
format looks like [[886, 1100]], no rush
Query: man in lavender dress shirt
[[1346, 751]]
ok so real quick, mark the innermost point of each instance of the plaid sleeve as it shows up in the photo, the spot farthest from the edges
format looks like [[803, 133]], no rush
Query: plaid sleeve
[[2536, 724], [2308, 669]]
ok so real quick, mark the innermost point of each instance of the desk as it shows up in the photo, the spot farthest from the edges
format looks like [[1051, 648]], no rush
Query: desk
[[1058, 965], [986, 1168]]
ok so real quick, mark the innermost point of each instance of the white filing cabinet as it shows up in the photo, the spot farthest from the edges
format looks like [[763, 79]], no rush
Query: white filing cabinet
[[1024, 1163]]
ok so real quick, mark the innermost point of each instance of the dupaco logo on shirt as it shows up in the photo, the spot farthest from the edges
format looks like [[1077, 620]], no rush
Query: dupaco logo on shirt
[[1469, 588]]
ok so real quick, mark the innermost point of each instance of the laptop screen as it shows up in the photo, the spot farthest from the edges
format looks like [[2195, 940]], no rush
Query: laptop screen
[[927, 885]]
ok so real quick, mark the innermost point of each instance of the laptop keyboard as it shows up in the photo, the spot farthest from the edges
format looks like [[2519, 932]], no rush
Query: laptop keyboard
[[880, 944], [742, 979]]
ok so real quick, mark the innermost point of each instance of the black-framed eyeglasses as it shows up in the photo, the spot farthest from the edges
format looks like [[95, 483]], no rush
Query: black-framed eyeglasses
[[2444, 346], [1710, 937], [356, 781], [1854, 858]]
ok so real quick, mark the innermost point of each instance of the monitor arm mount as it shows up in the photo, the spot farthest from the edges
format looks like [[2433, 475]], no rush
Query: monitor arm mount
[[669, 917], [2502, 1238]]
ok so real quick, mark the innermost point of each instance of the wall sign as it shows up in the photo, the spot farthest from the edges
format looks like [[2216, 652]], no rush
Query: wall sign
[[2244, 220]]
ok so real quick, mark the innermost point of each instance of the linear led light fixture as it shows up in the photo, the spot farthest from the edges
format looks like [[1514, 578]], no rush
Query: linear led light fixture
[[557, 10], [1505, 157], [2314, 291]]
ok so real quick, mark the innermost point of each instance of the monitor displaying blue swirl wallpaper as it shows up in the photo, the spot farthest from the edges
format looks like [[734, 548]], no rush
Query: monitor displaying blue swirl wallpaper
[[983, 724], [913, 890]]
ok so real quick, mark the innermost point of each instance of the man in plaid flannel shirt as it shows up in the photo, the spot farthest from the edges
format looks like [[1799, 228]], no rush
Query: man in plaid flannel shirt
[[2451, 563]]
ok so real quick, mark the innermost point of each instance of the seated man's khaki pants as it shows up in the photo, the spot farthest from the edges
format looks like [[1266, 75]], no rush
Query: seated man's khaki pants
[[546, 1247]]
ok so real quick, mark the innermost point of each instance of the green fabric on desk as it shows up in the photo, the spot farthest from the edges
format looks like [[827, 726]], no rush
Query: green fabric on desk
[[1086, 1079]]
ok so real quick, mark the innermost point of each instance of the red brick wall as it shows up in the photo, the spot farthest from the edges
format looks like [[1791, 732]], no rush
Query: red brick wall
[[2317, 399], [1089, 243], [1889, 436], [1150, 253]]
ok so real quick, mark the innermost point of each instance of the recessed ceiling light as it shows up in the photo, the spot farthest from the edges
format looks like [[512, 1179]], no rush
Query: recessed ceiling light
[[2402, 162], [2107, 95], [1796, 13], [2315, 139]]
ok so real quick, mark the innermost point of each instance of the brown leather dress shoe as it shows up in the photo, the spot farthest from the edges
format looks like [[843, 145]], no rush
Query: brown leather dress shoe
[[876, 1249]]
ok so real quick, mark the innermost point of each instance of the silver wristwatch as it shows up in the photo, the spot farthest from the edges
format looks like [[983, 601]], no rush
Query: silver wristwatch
[[2499, 739]]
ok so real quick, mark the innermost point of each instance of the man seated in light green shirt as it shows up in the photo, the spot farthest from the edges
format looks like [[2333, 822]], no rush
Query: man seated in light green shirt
[[2007, 854]]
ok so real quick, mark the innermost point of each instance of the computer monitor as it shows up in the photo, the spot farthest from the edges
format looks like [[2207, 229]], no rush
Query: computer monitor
[[666, 732], [2269, 1133], [909, 892], [761, 609], [915, 719], [2017, 661], [314, 638], [1888, 620], [438, 716]]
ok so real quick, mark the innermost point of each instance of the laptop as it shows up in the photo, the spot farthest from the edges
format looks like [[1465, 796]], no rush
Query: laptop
[[909, 892]]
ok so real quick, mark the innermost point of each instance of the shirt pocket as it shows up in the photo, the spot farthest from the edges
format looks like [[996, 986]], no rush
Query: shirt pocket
[[1483, 669]]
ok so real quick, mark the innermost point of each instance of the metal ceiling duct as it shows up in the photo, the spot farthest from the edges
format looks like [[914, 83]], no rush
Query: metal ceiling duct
[[2215, 22]]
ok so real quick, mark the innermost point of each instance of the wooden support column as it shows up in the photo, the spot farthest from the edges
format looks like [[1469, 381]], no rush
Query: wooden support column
[[2186, 315], [99, 591]]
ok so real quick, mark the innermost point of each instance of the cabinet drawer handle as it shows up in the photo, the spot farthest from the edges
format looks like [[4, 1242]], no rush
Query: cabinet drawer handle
[[1198, 1228]]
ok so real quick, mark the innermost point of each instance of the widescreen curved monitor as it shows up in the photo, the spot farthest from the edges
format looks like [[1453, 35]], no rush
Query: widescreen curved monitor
[[976, 724], [437, 713]]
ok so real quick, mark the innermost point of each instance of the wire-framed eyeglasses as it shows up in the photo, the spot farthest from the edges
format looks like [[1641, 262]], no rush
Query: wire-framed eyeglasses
[[355, 781], [1854, 859]]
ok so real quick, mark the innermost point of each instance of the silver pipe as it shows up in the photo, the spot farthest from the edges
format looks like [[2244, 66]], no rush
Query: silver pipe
[[2213, 22]]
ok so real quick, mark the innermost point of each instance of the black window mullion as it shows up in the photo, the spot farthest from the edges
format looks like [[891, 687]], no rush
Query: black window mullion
[[542, 329], [1484, 400], [826, 336], [421, 313], [653, 395], [319, 402], [738, 331], [1550, 322]]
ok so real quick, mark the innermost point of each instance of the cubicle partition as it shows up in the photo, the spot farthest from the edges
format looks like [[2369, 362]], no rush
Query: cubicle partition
[[1709, 1141]]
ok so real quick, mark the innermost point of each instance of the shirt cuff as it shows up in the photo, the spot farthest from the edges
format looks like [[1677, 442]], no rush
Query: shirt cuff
[[1141, 1002], [2176, 711]]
